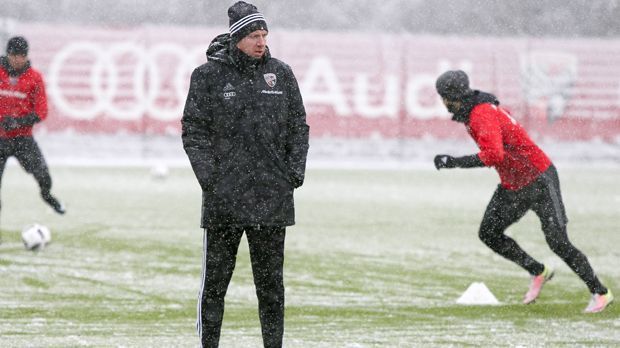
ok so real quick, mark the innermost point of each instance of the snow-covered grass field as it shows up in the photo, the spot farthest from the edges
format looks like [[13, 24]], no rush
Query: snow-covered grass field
[[377, 259]]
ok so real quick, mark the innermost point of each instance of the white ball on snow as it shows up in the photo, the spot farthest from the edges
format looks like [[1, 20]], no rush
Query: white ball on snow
[[36, 236], [159, 171]]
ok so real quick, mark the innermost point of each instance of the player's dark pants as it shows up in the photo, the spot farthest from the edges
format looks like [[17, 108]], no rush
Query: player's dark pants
[[544, 198], [29, 156], [267, 258]]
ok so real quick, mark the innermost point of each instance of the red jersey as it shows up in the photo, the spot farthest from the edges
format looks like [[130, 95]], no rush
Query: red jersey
[[19, 96], [506, 146]]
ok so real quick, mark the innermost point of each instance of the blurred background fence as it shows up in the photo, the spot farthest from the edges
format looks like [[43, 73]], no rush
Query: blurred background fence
[[117, 90]]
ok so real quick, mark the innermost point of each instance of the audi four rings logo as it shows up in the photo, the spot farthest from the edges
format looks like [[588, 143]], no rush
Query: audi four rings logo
[[122, 80]]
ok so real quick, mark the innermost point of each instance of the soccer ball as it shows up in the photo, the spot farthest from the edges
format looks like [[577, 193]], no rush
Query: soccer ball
[[159, 171], [36, 236]]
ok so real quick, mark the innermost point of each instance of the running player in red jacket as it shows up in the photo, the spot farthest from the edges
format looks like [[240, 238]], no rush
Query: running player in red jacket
[[529, 181], [23, 103]]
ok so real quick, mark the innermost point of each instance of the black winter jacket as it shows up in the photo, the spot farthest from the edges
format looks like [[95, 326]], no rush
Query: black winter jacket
[[245, 133]]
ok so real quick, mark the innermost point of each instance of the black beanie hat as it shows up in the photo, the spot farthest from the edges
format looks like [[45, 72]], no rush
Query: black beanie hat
[[243, 19], [453, 85], [17, 45]]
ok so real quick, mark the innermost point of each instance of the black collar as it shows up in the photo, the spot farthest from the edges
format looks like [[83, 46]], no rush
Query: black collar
[[243, 62], [4, 62], [470, 101]]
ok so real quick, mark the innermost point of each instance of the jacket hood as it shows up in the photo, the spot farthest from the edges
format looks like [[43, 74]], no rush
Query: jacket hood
[[219, 49], [470, 102]]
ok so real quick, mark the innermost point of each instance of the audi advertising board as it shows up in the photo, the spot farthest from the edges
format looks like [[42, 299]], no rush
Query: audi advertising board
[[355, 85]]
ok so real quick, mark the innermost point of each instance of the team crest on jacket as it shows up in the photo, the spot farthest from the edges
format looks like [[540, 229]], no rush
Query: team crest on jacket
[[270, 79]]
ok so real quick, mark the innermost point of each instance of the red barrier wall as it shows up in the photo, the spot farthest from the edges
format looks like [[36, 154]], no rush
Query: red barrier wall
[[356, 85]]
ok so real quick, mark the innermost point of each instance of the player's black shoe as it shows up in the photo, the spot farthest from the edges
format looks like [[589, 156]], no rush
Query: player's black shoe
[[54, 203]]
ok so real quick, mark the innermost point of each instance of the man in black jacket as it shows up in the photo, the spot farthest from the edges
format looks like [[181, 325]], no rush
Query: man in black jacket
[[245, 133]]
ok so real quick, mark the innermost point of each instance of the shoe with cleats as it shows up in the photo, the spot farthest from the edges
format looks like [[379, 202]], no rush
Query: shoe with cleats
[[54, 203], [536, 285], [599, 302]]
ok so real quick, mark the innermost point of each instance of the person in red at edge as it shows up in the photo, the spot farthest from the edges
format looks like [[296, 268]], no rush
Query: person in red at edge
[[529, 180], [23, 103]]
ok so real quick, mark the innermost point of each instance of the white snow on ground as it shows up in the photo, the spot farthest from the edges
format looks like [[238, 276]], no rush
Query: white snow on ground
[[124, 284], [153, 150]]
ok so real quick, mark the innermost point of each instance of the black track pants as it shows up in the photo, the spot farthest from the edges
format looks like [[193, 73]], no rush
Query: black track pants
[[266, 246], [29, 156], [543, 196]]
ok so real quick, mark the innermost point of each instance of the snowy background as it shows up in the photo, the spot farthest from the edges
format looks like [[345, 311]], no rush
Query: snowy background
[[377, 257], [551, 18], [588, 80]]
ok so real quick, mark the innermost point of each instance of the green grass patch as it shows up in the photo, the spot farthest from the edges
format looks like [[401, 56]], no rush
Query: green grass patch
[[377, 259]]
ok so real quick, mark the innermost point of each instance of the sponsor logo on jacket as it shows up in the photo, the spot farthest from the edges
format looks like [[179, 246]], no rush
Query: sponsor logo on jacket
[[264, 91], [13, 94], [229, 91]]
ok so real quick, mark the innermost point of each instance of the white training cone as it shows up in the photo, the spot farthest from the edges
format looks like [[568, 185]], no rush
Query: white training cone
[[477, 294]]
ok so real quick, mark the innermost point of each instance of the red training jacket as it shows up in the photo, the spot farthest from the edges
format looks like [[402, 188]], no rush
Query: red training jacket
[[20, 96], [505, 145]]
